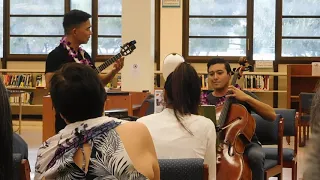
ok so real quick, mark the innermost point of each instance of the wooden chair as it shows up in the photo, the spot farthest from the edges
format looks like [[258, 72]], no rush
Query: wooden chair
[[21, 168], [25, 170], [271, 133]]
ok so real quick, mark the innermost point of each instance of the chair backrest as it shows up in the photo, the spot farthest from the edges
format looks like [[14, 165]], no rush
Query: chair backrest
[[266, 131], [17, 158], [25, 170], [21, 167], [183, 169], [289, 116], [150, 109], [305, 101]]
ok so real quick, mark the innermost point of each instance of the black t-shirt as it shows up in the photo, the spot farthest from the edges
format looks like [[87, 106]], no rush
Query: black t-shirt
[[56, 58], [213, 100], [60, 56]]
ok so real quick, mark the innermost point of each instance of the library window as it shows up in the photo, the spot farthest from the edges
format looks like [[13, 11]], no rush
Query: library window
[[264, 20], [86, 6], [234, 28], [35, 26], [217, 28], [300, 28], [109, 27]]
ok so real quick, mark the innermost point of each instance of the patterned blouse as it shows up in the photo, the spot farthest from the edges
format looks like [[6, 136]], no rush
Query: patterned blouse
[[109, 159]]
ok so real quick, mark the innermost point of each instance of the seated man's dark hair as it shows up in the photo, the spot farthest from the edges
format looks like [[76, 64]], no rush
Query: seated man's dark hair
[[214, 61]]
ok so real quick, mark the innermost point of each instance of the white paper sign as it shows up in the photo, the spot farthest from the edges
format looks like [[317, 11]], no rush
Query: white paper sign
[[315, 68], [135, 70], [264, 64]]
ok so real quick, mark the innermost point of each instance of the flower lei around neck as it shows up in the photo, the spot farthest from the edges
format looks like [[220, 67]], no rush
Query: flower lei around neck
[[221, 100], [73, 53]]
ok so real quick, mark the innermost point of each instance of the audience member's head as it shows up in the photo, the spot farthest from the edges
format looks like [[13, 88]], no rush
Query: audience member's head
[[182, 90], [5, 134], [312, 160], [77, 92]]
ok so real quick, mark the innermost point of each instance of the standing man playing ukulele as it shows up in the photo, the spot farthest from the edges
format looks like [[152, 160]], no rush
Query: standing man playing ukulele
[[77, 28]]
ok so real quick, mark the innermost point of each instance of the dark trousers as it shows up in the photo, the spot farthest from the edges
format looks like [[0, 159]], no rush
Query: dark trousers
[[60, 123], [256, 159]]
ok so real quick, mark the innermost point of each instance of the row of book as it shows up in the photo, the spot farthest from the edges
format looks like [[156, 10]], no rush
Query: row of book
[[23, 80], [26, 98], [17, 80], [204, 81], [257, 82]]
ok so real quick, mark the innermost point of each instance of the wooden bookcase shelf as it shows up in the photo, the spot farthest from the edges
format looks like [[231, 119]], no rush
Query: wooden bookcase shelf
[[32, 99], [299, 80]]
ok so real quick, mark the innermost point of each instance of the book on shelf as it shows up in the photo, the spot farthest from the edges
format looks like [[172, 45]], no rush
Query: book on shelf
[[204, 81], [119, 81], [26, 98], [17, 80], [257, 82], [40, 80]]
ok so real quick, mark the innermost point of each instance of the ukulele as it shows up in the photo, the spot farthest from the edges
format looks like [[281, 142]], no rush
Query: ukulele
[[126, 49]]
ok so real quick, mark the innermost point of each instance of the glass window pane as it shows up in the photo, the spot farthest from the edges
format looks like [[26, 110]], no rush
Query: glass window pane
[[300, 27], [264, 30], [1, 29], [83, 5], [217, 47], [217, 26], [109, 26], [109, 7], [33, 45], [36, 26], [109, 46], [218, 7], [28, 7], [301, 7], [300, 47]]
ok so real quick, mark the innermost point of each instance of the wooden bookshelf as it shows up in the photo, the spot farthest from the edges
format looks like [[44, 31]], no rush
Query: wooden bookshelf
[[34, 106], [266, 73], [299, 80], [263, 90]]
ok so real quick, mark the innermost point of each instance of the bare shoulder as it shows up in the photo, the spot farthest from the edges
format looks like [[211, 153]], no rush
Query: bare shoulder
[[136, 129]]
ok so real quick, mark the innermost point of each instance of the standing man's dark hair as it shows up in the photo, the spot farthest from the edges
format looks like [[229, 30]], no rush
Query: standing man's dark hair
[[77, 27], [73, 19]]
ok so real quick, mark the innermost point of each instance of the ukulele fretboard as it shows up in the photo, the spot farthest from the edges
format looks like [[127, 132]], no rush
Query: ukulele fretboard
[[108, 62]]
